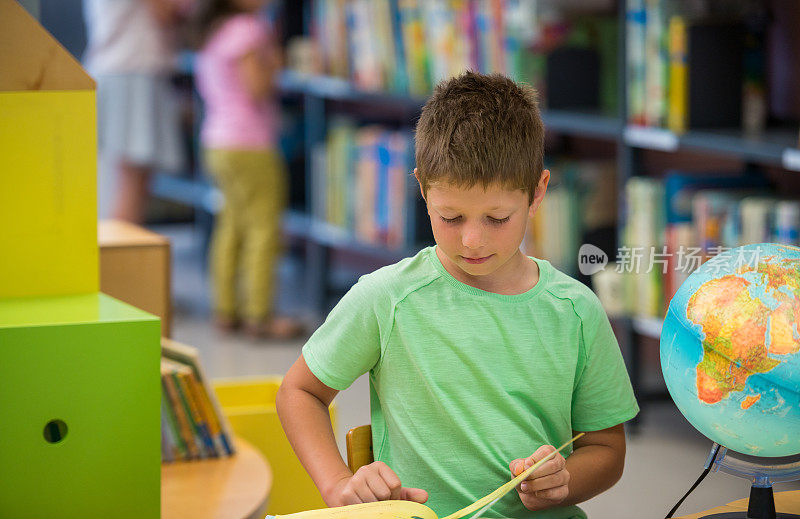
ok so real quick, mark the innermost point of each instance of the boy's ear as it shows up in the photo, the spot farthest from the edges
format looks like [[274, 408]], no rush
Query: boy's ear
[[538, 195], [422, 191]]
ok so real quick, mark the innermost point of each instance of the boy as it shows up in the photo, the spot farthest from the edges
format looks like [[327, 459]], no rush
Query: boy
[[477, 354]]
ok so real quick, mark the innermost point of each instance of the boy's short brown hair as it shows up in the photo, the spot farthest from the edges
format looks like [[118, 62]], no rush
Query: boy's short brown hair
[[480, 129]]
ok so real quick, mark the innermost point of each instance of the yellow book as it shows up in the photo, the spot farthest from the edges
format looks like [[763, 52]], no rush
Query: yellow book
[[677, 114], [206, 411], [411, 510]]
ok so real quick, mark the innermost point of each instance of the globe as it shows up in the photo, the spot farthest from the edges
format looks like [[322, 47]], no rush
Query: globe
[[730, 349]]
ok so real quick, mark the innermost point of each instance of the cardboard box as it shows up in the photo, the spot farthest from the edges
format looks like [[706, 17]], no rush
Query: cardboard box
[[80, 401], [48, 163], [135, 268]]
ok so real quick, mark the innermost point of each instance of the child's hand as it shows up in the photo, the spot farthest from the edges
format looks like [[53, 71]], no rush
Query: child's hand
[[547, 486], [373, 482]]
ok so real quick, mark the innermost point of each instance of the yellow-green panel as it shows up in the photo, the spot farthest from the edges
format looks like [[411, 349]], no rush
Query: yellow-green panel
[[99, 379], [48, 193], [73, 309]]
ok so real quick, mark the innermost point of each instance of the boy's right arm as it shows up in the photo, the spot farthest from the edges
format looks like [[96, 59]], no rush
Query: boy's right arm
[[302, 404]]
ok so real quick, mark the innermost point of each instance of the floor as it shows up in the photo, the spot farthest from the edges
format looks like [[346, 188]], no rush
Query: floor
[[664, 456]]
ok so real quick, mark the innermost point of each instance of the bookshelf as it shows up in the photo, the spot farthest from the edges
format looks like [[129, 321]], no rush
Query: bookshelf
[[322, 97]]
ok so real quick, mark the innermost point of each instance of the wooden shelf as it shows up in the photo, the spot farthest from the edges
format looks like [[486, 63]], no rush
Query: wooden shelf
[[236, 487]]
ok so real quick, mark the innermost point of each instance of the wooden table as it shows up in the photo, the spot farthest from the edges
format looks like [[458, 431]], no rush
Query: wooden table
[[787, 502], [236, 487]]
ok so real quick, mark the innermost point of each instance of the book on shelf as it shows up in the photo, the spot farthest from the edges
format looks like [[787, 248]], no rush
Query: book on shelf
[[192, 420], [677, 77], [643, 239], [361, 178], [635, 70], [183, 380], [680, 189], [655, 63], [685, 219], [171, 449], [183, 430]]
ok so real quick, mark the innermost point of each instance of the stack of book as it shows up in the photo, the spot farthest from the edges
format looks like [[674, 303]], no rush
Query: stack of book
[[361, 182], [192, 424]]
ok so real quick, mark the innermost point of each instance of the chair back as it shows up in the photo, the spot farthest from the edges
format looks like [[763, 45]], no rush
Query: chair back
[[359, 447]]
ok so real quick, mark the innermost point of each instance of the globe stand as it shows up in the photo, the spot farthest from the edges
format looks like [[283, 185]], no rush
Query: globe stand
[[762, 472]]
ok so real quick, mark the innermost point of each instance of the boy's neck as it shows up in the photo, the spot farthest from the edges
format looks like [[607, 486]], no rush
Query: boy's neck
[[518, 275]]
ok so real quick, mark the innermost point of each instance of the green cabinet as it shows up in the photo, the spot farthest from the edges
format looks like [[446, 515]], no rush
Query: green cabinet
[[79, 409]]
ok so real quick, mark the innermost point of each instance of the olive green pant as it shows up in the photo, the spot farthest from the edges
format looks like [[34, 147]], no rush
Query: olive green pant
[[246, 241]]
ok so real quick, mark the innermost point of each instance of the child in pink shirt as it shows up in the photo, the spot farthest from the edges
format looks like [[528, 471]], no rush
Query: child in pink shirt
[[235, 72]]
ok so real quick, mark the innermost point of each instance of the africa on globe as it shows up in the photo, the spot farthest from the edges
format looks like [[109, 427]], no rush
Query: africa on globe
[[730, 349]]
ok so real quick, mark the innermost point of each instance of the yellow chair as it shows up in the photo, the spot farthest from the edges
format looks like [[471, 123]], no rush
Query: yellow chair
[[359, 447]]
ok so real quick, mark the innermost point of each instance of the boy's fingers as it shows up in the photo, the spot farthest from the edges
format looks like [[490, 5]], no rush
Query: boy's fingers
[[549, 467], [540, 453], [390, 479], [388, 475], [413, 494], [379, 488], [516, 466], [363, 492], [557, 494], [559, 479], [552, 465]]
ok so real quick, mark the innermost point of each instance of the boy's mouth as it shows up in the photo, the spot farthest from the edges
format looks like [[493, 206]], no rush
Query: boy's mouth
[[476, 261]]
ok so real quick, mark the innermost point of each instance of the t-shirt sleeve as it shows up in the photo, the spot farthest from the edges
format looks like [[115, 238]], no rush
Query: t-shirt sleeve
[[242, 34], [348, 344], [603, 395]]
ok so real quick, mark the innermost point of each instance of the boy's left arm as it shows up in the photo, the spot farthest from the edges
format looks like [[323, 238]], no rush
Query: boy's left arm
[[594, 466]]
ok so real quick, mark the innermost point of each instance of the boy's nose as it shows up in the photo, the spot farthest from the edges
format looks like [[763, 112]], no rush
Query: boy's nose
[[472, 237]]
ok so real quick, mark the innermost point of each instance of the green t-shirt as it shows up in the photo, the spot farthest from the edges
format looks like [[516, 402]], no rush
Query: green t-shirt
[[462, 381]]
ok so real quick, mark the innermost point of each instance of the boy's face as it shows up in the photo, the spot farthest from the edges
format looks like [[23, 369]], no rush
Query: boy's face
[[479, 231]]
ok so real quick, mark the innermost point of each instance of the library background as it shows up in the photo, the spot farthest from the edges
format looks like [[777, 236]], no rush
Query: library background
[[672, 135]]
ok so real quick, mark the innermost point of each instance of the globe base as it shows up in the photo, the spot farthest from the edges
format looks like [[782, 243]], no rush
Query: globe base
[[743, 515], [760, 506]]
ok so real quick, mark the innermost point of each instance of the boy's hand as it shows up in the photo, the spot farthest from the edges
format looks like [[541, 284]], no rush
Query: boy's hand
[[547, 486], [373, 482]]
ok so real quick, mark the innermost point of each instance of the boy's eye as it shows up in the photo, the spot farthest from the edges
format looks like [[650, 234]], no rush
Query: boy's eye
[[450, 220], [498, 221]]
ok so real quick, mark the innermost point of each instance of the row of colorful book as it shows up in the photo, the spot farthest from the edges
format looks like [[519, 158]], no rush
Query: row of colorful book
[[362, 181], [407, 46], [192, 423], [677, 223], [696, 64]]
